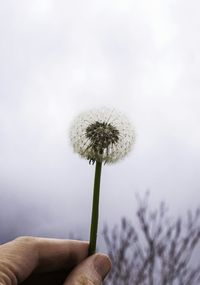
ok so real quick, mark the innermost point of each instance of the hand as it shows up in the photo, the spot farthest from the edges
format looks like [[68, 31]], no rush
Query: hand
[[33, 260]]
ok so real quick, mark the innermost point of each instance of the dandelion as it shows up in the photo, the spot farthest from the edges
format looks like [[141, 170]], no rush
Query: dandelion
[[101, 135]]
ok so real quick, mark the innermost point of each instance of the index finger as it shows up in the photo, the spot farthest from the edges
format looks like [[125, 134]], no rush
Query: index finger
[[26, 255]]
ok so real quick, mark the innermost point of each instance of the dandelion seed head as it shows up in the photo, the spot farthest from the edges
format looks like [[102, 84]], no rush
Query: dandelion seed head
[[103, 135]]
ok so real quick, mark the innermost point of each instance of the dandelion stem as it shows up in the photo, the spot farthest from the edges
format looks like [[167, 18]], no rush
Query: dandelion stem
[[95, 209]]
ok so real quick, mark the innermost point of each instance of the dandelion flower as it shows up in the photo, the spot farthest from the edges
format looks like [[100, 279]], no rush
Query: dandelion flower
[[102, 135]]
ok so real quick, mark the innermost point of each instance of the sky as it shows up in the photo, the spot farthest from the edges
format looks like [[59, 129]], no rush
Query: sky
[[59, 58]]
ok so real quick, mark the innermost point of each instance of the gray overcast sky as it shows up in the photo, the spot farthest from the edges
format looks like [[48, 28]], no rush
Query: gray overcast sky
[[61, 57]]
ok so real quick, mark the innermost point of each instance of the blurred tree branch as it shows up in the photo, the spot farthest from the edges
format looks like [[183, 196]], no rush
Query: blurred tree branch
[[159, 251]]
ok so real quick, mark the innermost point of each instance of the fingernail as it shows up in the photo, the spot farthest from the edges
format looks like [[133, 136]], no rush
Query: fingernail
[[102, 264]]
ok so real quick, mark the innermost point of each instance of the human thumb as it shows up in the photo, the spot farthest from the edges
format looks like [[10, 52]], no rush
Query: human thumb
[[91, 271]]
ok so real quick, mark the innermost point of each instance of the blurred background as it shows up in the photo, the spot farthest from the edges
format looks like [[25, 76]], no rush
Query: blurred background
[[58, 58]]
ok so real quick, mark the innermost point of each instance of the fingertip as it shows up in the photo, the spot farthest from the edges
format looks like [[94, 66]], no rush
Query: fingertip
[[102, 264], [92, 270]]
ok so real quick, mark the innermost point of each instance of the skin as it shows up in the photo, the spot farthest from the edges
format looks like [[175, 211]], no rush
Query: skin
[[33, 260]]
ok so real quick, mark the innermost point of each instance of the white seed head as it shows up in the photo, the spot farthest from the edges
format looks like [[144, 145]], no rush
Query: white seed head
[[102, 135]]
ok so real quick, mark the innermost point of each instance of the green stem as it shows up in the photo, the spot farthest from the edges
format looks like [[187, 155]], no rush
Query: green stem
[[95, 209]]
